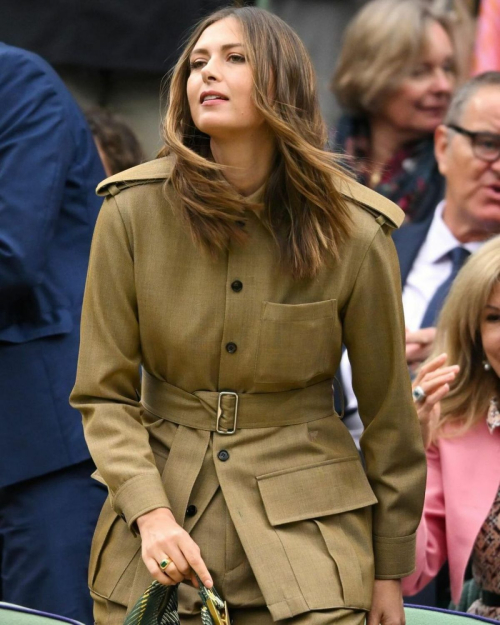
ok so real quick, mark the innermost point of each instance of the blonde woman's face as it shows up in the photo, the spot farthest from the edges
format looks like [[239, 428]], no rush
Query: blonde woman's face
[[420, 103], [220, 85], [490, 330]]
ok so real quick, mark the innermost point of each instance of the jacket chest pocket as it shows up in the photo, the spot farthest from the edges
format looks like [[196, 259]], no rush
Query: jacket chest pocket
[[295, 342]]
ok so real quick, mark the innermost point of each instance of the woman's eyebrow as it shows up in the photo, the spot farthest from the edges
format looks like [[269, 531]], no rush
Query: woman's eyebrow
[[492, 307], [226, 46]]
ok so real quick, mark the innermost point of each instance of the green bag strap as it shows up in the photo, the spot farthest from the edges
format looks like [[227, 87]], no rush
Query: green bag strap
[[158, 606]]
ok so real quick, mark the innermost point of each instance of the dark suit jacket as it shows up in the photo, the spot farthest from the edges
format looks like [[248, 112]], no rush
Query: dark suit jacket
[[408, 241], [49, 168]]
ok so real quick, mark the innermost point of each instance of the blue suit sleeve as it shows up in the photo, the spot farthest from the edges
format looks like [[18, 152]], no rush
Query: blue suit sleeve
[[35, 154]]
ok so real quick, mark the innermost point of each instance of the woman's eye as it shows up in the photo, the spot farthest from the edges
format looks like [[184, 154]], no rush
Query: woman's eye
[[417, 72], [493, 317], [236, 58], [196, 64]]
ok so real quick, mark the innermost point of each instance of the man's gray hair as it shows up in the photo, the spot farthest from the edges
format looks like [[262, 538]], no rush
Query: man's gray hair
[[465, 93]]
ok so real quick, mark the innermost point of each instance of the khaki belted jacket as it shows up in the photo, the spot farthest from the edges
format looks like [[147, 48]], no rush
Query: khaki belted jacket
[[315, 526]]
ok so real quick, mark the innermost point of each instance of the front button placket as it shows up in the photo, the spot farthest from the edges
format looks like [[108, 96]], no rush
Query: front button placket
[[242, 308], [235, 350]]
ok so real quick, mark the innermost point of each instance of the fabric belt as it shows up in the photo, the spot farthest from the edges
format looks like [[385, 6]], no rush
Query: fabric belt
[[226, 411], [490, 599]]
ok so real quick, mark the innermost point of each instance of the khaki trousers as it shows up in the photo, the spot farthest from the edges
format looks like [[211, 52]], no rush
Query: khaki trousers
[[233, 577]]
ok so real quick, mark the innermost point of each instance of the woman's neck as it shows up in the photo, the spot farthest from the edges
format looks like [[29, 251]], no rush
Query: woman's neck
[[248, 160], [386, 140]]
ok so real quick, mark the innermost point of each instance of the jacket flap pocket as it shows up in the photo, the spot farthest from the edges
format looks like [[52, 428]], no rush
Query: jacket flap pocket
[[316, 490]]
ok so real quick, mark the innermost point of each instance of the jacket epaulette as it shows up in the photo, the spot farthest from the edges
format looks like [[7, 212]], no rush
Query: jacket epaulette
[[152, 171], [384, 210]]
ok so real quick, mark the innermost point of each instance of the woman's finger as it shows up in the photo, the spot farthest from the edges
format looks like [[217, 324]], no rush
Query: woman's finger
[[432, 365], [173, 572], [428, 377], [179, 560], [439, 394], [192, 554], [430, 387], [156, 573]]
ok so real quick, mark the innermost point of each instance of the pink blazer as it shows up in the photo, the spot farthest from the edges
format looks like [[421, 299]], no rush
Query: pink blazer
[[463, 476]]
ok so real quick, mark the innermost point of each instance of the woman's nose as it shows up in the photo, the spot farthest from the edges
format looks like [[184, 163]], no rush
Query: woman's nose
[[209, 72], [443, 81]]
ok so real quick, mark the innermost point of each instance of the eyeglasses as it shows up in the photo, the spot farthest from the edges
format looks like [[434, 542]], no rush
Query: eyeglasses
[[485, 145]]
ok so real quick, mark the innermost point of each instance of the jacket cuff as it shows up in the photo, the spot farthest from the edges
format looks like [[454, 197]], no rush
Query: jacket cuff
[[137, 496], [394, 557]]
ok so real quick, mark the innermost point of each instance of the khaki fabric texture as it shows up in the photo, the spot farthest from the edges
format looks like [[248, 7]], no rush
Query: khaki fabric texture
[[315, 527]]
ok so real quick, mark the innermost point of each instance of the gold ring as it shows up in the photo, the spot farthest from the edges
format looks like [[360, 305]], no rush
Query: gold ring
[[164, 563]]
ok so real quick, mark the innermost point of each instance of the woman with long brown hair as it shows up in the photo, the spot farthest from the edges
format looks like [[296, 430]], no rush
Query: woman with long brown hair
[[231, 270]]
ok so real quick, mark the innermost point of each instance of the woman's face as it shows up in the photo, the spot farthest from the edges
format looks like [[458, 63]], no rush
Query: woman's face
[[220, 85], [490, 330], [420, 103]]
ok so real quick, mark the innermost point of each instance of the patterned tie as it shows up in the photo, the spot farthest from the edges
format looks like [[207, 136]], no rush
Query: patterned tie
[[458, 256]]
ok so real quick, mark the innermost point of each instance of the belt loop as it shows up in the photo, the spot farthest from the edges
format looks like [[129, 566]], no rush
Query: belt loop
[[220, 413]]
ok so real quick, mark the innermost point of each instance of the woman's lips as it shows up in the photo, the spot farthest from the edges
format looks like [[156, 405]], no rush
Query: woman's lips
[[433, 110], [213, 102]]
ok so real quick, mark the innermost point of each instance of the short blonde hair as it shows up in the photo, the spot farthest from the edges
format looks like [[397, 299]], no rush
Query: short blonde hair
[[381, 44], [458, 335]]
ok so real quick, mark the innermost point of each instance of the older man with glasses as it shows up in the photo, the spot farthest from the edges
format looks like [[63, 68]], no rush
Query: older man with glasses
[[467, 147]]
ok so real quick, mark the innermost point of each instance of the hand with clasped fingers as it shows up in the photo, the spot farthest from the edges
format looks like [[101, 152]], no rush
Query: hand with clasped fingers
[[434, 378], [164, 540]]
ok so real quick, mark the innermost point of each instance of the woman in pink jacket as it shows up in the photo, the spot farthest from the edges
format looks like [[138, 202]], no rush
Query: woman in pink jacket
[[460, 421]]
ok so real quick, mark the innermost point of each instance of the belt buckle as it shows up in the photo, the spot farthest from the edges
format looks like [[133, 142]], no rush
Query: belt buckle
[[220, 414]]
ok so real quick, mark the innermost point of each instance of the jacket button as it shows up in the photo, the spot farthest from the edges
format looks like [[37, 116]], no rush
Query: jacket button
[[237, 285], [191, 510], [231, 348], [223, 455]]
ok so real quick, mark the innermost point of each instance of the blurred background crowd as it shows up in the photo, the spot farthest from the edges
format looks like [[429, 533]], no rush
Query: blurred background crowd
[[411, 93]]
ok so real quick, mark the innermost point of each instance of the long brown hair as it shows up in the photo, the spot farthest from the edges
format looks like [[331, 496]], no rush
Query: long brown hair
[[303, 209], [458, 335]]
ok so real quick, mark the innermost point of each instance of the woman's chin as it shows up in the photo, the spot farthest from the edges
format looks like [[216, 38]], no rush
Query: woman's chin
[[217, 130]]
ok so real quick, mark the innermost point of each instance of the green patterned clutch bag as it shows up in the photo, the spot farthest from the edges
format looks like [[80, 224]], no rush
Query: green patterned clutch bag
[[158, 606]]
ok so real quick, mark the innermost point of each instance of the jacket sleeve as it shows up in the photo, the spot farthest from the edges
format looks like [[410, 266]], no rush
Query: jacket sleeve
[[108, 373], [35, 152], [391, 443], [431, 534]]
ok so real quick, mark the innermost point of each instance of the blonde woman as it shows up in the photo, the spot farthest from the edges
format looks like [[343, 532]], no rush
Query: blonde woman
[[232, 270], [394, 79], [460, 421]]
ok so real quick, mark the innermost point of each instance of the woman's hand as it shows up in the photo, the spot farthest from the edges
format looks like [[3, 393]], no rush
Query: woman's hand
[[387, 603], [162, 538], [435, 379]]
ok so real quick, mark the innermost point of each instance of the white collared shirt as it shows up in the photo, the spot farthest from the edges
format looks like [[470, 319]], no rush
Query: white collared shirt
[[430, 269]]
